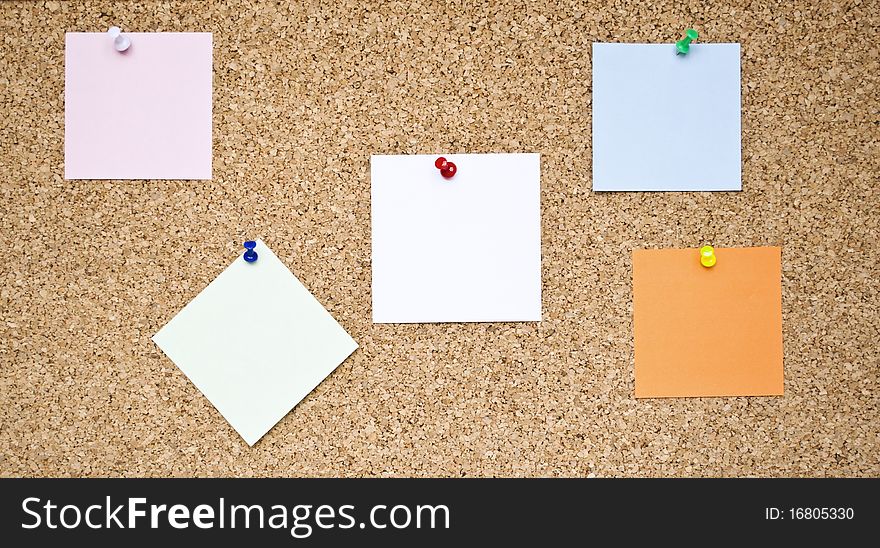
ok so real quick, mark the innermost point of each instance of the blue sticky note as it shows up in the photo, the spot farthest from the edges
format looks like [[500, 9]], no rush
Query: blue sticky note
[[666, 122]]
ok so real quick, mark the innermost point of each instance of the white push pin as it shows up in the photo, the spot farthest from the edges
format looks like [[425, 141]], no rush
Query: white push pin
[[120, 41]]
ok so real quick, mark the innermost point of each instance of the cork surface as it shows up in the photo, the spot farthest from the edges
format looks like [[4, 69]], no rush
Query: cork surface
[[303, 94]]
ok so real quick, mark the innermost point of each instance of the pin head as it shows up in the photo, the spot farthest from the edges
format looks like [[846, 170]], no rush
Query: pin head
[[120, 41], [447, 168], [684, 45], [250, 255], [707, 256]]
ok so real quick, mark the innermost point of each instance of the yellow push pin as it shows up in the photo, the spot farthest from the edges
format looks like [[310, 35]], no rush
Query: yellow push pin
[[707, 256]]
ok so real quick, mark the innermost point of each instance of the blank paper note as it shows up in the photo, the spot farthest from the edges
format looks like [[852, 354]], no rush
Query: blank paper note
[[465, 249], [708, 331], [663, 121], [141, 114], [255, 342]]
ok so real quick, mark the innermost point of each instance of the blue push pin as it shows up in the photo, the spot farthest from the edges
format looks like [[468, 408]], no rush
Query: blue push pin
[[250, 255]]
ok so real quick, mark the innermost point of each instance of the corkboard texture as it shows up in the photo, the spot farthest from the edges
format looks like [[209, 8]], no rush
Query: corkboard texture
[[304, 92]]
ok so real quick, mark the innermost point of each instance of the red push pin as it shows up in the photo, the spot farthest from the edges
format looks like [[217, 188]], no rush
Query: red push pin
[[447, 169]]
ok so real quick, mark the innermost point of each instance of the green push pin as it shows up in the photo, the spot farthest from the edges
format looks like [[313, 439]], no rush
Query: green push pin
[[684, 45]]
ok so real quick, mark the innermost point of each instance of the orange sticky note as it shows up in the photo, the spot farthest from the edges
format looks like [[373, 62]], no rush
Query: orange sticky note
[[708, 331]]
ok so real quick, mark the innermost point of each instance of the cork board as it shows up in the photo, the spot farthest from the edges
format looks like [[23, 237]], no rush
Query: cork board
[[302, 96]]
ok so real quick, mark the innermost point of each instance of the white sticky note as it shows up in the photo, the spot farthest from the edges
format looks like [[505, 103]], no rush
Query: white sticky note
[[144, 113], [663, 121], [255, 342], [465, 249]]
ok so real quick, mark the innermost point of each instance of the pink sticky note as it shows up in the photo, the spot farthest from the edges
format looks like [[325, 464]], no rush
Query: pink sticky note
[[141, 114]]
